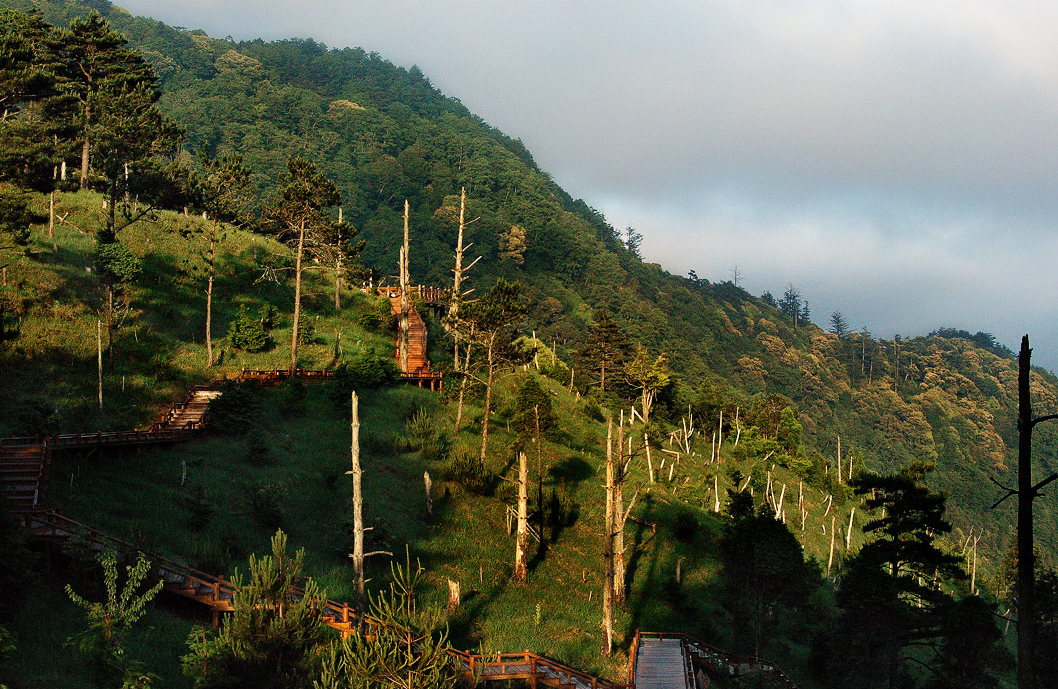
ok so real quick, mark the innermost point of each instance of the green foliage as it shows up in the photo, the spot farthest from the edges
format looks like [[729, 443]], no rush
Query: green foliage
[[533, 410], [236, 410], [109, 621], [408, 647], [274, 638], [246, 333], [423, 434], [116, 265], [466, 468], [685, 526], [200, 509], [265, 505], [367, 370]]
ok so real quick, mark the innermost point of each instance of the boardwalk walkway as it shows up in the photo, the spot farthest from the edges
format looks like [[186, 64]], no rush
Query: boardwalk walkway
[[662, 663]]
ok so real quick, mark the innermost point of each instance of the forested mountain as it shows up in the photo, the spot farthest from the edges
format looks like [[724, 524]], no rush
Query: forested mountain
[[619, 332], [384, 134]]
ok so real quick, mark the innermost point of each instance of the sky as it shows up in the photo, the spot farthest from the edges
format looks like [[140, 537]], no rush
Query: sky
[[895, 161]]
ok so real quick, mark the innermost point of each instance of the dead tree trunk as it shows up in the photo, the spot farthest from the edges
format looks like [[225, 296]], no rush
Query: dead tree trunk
[[462, 392], [211, 265], [338, 262], [297, 298], [358, 503], [608, 568], [405, 306], [1026, 492], [521, 548], [99, 352], [490, 360], [618, 521]]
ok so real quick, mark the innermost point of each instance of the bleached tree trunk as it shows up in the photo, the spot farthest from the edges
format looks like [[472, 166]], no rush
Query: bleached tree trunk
[[51, 215], [405, 307], [99, 352], [833, 531], [358, 502], [608, 568], [716, 493], [521, 548], [428, 485], [490, 358], [297, 298], [338, 262], [85, 147], [462, 392], [618, 522], [650, 461], [839, 460], [848, 534], [209, 293]]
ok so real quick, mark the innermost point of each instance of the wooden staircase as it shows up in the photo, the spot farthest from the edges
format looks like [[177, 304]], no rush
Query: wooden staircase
[[23, 472], [418, 368]]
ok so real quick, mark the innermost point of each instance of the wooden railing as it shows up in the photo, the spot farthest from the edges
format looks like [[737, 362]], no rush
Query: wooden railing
[[221, 591], [526, 665], [429, 295]]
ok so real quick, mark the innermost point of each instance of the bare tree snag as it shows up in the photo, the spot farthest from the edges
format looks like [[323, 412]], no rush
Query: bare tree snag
[[297, 297], [650, 462], [607, 579], [453, 595], [839, 460], [428, 484], [716, 493], [358, 501], [833, 532], [99, 350], [405, 306], [521, 548], [848, 534], [462, 391], [618, 514]]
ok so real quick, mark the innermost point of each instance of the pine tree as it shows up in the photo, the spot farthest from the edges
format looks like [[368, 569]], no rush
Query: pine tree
[[606, 353], [275, 635], [297, 213]]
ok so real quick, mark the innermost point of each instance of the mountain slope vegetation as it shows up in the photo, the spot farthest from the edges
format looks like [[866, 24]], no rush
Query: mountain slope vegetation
[[791, 404]]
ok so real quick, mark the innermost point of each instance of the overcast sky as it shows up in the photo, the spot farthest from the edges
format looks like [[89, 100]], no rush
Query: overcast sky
[[895, 161]]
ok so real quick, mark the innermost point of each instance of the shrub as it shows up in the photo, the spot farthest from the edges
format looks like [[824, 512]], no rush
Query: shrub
[[366, 371], [237, 409], [685, 526], [422, 434], [257, 452], [246, 333], [467, 469], [264, 506]]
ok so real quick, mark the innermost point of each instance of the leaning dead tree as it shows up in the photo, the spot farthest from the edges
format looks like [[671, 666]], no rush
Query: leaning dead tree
[[1026, 492], [405, 305]]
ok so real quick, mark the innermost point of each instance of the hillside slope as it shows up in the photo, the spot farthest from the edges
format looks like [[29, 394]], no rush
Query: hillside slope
[[384, 134]]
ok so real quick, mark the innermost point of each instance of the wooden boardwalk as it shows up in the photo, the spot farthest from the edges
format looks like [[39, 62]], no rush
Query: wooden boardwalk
[[25, 461], [662, 663]]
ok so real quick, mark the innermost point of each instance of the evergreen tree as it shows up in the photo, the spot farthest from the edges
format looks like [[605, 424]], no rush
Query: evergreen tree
[[790, 304], [222, 191], [765, 576], [97, 68], [36, 118], [839, 325], [297, 213], [274, 638], [406, 647], [606, 353]]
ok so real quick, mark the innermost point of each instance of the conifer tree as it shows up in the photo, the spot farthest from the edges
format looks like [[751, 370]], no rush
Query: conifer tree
[[275, 635], [606, 352], [297, 213], [222, 190]]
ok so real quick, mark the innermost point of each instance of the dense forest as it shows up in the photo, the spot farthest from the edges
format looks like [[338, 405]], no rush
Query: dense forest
[[144, 168]]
